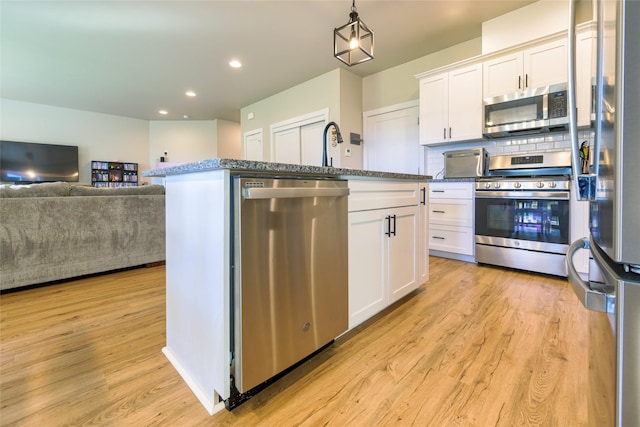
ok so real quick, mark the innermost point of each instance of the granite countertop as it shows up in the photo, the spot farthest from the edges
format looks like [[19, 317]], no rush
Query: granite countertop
[[249, 166]]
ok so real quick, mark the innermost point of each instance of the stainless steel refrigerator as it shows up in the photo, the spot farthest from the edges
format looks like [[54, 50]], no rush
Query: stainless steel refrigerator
[[613, 190]]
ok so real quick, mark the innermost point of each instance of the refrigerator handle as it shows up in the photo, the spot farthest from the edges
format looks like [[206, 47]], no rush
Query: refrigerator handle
[[571, 98], [590, 298], [585, 184]]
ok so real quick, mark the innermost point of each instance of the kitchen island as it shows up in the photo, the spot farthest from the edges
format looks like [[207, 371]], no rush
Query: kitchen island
[[387, 256]]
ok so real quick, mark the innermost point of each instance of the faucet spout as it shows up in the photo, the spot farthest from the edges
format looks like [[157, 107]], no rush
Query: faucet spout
[[324, 141]]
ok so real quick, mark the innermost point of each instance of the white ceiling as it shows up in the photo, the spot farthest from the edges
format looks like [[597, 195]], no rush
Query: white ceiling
[[132, 58]]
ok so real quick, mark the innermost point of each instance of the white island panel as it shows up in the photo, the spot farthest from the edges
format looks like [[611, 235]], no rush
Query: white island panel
[[198, 258]]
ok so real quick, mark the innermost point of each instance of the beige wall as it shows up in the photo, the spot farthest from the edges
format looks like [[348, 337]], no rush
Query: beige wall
[[229, 139], [98, 136], [193, 140], [398, 84], [184, 141], [350, 118], [313, 95]]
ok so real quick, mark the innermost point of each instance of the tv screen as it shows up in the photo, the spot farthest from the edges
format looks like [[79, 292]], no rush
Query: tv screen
[[29, 162]]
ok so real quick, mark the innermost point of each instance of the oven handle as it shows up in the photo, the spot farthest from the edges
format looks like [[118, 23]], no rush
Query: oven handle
[[557, 195]]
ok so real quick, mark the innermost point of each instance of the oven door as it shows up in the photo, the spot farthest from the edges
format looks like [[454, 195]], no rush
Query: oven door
[[534, 220]]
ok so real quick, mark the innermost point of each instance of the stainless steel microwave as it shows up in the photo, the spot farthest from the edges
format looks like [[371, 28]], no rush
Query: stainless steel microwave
[[526, 112]]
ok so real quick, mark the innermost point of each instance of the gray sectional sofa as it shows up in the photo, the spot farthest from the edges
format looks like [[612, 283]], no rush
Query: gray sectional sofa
[[55, 231]]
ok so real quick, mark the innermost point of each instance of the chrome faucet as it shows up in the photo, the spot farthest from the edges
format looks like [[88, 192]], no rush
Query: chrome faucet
[[324, 139]]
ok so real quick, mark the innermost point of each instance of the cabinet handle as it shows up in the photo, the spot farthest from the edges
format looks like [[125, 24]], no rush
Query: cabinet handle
[[437, 191], [394, 225], [526, 80], [438, 211], [423, 190], [449, 133], [444, 133], [437, 237], [388, 232], [519, 82]]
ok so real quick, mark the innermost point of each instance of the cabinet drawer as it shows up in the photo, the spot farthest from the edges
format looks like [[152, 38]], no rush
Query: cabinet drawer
[[367, 195], [456, 212], [457, 240], [451, 190]]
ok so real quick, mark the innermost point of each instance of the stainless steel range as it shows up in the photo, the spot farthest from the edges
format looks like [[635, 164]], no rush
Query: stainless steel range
[[522, 212]]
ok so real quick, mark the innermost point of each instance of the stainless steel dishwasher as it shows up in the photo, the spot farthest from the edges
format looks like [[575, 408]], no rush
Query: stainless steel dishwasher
[[290, 275]]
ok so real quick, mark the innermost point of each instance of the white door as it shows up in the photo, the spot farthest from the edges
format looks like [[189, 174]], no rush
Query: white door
[[311, 144], [253, 149], [392, 141], [286, 145]]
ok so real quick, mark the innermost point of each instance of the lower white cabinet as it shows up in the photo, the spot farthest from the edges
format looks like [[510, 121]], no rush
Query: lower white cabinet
[[383, 247], [451, 219]]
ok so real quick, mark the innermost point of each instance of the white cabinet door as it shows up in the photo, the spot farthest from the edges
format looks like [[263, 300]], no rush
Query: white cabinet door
[[451, 106], [434, 105], [367, 264], [465, 103], [502, 75], [585, 72], [545, 65], [423, 241], [403, 252], [535, 67]]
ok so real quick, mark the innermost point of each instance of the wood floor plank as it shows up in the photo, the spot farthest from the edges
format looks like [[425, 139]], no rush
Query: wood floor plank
[[475, 346]]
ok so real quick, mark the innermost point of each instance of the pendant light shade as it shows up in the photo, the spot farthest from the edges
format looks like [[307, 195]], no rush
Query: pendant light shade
[[353, 42]]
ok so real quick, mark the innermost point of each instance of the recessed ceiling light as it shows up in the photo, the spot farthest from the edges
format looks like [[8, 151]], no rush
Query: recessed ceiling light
[[186, 116], [190, 93], [163, 112], [234, 63]]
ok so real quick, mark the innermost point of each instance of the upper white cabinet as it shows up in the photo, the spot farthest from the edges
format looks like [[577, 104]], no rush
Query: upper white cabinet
[[451, 106], [585, 73], [538, 66]]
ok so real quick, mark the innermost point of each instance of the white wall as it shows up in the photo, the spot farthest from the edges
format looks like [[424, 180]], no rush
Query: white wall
[[98, 136]]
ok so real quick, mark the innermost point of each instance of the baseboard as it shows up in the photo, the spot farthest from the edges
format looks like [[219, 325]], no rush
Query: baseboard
[[210, 406], [451, 255]]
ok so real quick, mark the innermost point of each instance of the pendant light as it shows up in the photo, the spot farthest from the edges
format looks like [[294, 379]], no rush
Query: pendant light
[[353, 42]]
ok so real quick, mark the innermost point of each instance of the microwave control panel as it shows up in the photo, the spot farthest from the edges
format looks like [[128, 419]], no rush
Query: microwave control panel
[[558, 104]]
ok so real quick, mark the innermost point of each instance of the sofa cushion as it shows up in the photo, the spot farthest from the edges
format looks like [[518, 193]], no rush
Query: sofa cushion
[[46, 189], [143, 190]]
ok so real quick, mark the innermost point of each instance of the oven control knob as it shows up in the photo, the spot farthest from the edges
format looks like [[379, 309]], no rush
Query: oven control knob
[[552, 184], [487, 185], [496, 185], [539, 184], [517, 185]]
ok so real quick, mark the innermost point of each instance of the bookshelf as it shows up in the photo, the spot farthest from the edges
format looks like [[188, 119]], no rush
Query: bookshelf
[[113, 174]]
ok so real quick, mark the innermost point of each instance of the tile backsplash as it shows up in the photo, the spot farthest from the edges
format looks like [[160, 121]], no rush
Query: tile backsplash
[[434, 160]]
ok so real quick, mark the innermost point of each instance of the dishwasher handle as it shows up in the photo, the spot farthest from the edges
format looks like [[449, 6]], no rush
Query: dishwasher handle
[[257, 193], [590, 298]]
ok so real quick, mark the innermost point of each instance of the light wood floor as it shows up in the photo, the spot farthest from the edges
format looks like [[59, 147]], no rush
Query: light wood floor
[[475, 346]]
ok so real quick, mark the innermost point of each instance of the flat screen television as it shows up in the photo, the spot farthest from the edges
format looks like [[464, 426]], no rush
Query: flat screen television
[[25, 162]]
